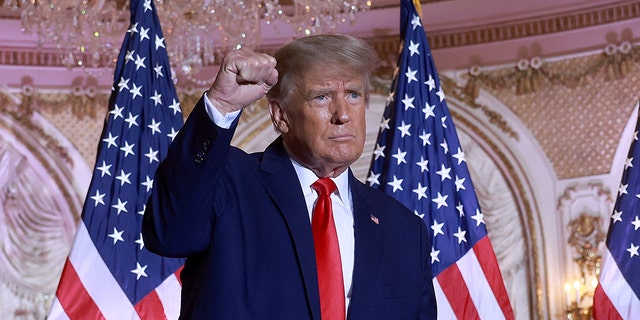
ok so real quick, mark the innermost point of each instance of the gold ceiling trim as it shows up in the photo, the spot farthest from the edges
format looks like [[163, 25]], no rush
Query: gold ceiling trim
[[388, 45], [544, 25]]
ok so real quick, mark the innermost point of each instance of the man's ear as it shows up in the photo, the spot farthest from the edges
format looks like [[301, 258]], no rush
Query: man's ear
[[278, 116]]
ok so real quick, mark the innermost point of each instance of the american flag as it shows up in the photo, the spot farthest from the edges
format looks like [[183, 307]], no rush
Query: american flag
[[617, 295], [109, 274], [418, 160]]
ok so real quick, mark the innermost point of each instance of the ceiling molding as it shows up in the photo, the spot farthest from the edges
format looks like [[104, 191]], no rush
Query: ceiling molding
[[471, 36]]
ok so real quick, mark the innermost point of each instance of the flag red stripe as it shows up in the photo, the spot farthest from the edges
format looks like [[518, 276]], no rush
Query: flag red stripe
[[489, 264], [73, 297], [150, 307], [603, 309], [457, 293]]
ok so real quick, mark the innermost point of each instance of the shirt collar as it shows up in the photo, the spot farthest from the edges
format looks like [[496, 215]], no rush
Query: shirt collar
[[308, 177]]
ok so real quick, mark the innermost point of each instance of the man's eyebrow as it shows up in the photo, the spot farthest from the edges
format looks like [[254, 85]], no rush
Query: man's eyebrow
[[354, 87]]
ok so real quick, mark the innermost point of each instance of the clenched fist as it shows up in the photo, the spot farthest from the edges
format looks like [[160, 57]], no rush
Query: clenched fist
[[244, 77]]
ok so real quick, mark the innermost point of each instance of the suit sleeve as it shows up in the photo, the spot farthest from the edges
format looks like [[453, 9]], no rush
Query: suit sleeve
[[429, 309], [179, 217]]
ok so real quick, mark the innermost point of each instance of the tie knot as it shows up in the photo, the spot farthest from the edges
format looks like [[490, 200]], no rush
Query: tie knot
[[324, 186]]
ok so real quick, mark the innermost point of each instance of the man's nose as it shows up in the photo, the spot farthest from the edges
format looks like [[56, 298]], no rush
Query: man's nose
[[341, 111]]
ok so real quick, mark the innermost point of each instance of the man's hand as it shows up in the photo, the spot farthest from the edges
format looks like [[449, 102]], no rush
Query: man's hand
[[244, 77]]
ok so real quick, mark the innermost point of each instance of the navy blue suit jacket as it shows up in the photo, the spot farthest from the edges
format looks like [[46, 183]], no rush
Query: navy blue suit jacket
[[242, 222]]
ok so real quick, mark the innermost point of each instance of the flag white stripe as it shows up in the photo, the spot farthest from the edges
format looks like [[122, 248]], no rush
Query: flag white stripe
[[617, 288], [479, 288], [445, 312], [170, 300], [97, 279], [57, 312]]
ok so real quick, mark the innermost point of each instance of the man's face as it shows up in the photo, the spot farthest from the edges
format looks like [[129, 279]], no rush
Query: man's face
[[323, 120]]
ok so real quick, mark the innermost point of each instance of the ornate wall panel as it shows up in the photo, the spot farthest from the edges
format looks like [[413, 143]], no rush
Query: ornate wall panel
[[41, 186], [576, 111]]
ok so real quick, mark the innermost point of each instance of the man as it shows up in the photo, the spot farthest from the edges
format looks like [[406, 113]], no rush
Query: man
[[247, 222]]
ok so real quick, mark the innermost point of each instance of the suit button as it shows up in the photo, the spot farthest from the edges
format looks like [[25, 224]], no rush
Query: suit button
[[200, 156]]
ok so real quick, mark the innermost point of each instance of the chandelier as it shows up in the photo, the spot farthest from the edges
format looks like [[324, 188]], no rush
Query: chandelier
[[88, 33]]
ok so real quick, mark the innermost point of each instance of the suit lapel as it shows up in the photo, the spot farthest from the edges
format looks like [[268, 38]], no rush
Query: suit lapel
[[282, 184], [368, 250]]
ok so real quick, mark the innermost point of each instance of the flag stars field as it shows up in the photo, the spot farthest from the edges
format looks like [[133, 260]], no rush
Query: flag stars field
[[423, 164], [400, 156], [111, 141], [158, 71], [616, 216], [420, 191], [144, 33], [135, 91], [437, 228], [108, 260], [172, 134], [478, 217], [116, 235], [373, 179], [117, 112], [434, 255], [441, 200], [132, 120], [104, 169], [157, 98], [123, 84], [426, 138], [428, 111], [98, 198], [633, 250], [175, 106], [140, 241], [408, 102], [121, 206], [152, 155], [378, 152], [139, 64], [617, 295], [396, 184], [636, 224], [128, 149], [441, 191], [404, 129], [159, 43], [139, 271], [124, 177], [155, 127]]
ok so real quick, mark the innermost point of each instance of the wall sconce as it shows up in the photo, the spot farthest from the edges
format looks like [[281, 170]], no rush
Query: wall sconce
[[585, 236]]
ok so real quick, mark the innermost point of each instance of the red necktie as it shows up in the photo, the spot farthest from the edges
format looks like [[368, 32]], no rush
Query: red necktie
[[328, 260]]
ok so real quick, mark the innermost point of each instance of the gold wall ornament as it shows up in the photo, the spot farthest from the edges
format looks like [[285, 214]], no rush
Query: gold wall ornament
[[529, 75], [585, 236], [81, 105], [467, 96], [23, 114], [619, 59]]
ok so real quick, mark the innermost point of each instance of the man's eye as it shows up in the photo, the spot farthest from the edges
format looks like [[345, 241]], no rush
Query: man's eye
[[354, 97], [320, 97]]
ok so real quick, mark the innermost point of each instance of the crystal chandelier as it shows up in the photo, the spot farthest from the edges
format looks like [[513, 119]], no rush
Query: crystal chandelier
[[88, 33]]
